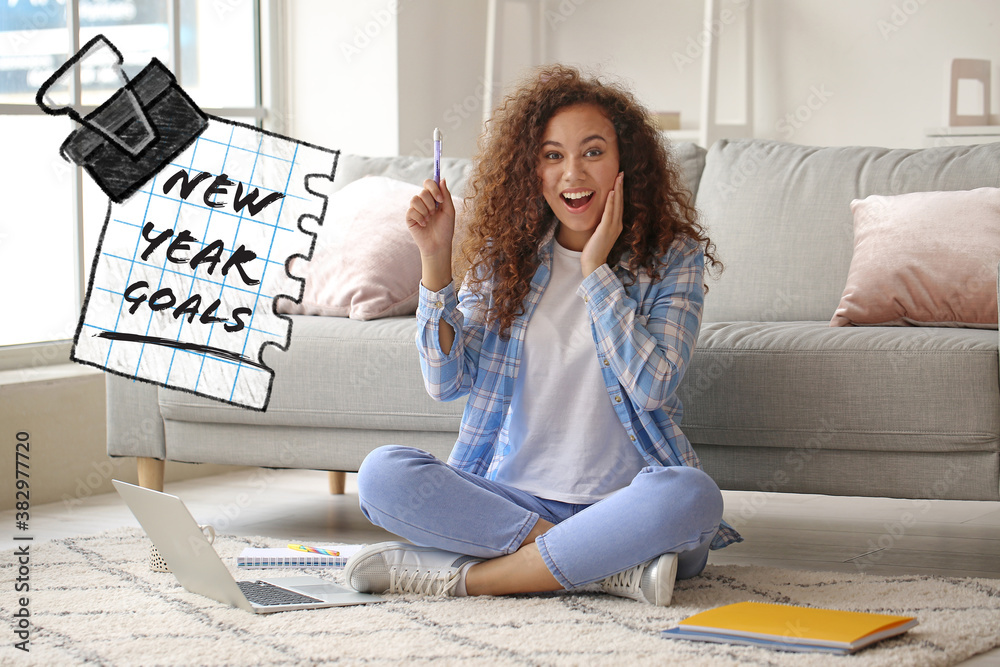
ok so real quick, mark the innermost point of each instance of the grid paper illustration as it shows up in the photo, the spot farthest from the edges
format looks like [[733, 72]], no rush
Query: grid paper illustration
[[184, 281]]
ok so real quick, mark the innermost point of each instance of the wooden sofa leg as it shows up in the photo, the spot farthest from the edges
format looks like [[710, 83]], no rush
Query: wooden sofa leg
[[337, 481], [151, 473]]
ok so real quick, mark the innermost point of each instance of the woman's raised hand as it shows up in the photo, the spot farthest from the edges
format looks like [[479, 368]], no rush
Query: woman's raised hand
[[431, 220]]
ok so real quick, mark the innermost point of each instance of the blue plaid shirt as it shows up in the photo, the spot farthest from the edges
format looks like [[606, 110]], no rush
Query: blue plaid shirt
[[644, 335]]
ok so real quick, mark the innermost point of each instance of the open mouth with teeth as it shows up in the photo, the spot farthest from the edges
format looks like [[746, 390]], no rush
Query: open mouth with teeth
[[577, 199]]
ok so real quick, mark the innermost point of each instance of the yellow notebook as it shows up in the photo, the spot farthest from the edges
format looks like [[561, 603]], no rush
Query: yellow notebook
[[790, 628]]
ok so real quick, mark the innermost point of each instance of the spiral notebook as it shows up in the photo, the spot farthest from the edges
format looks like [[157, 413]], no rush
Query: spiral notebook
[[789, 628], [284, 557]]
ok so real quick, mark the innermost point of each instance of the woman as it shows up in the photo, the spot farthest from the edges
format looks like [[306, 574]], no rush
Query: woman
[[580, 310]]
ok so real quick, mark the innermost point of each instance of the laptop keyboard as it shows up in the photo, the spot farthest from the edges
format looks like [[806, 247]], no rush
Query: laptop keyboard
[[268, 595]]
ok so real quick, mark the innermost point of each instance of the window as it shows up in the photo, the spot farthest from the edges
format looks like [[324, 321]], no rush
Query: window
[[52, 213]]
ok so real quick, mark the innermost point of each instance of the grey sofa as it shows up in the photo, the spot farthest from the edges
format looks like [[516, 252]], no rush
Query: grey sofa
[[775, 399]]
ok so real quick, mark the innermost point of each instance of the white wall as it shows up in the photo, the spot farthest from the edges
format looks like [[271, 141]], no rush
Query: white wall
[[633, 41], [883, 65], [62, 409], [870, 72], [344, 91], [375, 77], [441, 63]]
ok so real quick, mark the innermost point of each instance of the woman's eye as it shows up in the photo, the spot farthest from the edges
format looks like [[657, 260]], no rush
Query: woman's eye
[[593, 152], [552, 155]]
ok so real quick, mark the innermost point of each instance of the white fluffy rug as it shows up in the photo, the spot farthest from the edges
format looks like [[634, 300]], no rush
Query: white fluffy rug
[[95, 600]]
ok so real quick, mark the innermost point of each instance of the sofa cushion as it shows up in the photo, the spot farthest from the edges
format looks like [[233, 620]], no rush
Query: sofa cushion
[[924, 258], [780, 216], [842, 472], [690, 157], [292, 446], [805, 386], [337, 373], [409, 169], [365, 265]]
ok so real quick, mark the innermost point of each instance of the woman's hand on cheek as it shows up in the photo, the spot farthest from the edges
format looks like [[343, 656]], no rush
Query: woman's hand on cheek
[[598, 247]]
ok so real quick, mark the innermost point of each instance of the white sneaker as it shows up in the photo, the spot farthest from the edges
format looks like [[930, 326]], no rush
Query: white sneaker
[[399, 567], [651, 582]]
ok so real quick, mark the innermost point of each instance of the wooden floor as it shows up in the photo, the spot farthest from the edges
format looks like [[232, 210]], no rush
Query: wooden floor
[[875, 535]]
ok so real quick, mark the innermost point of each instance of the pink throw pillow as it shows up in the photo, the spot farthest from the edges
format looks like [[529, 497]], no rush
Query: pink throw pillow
[[365, 264], [924, 258]]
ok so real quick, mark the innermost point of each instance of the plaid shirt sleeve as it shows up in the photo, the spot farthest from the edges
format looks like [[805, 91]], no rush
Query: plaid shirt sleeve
[[449, 376], [649, 350]]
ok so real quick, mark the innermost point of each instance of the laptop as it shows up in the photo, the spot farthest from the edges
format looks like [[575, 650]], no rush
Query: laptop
[[198, 568]]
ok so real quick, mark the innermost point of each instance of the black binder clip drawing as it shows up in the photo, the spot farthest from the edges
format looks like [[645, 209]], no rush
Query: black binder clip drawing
[[135, 133]]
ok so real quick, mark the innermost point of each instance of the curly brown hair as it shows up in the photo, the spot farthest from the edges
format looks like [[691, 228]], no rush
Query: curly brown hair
[[509, 217]]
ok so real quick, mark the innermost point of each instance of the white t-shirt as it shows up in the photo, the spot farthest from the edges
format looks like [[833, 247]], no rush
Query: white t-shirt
[[567, 443]]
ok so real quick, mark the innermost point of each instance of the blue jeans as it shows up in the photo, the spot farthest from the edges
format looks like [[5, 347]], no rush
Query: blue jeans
[[675, 509]]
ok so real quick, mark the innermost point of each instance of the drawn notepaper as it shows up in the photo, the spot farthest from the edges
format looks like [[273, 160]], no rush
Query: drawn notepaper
[[204, 215]]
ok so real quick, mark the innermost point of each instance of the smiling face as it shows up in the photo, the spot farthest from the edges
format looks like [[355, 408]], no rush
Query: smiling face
[[577, 164]]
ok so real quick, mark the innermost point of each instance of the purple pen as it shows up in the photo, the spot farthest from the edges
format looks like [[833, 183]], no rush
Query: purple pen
[[437, 156]]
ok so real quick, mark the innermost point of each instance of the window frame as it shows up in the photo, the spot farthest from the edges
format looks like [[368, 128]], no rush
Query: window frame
[[269, 112]]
